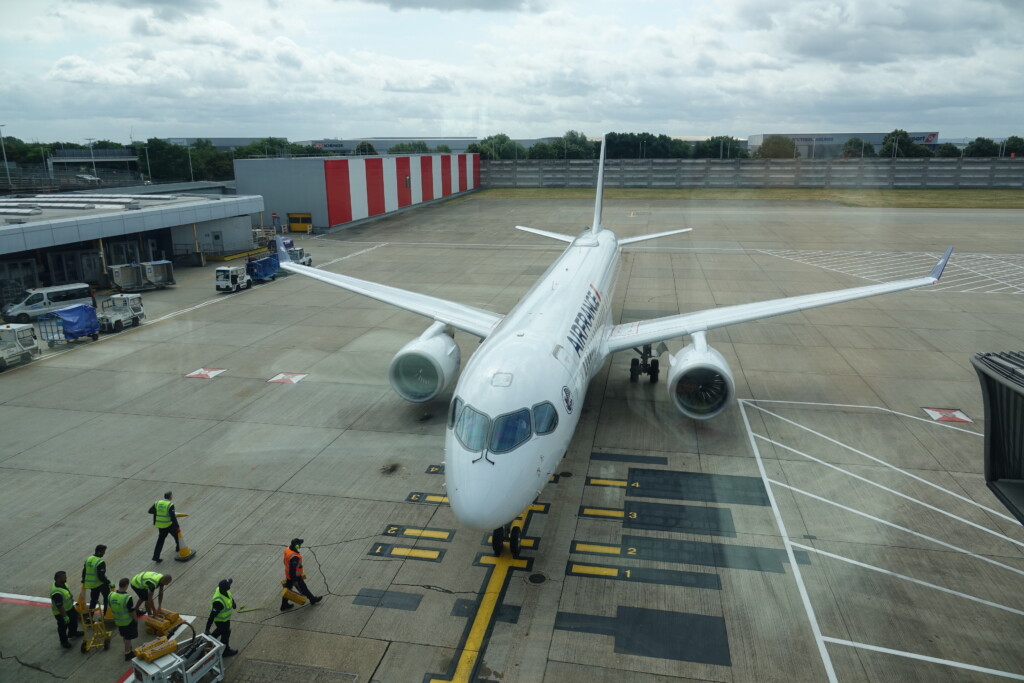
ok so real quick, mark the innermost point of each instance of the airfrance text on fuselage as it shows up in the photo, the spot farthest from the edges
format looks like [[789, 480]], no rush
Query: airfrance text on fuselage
[[584, 322]]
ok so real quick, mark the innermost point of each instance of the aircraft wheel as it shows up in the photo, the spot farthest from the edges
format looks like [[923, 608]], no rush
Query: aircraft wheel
[[634, 370], [135, 321], [118, 326], [95, 336], [654, 371], [497, 540], [515, 539]]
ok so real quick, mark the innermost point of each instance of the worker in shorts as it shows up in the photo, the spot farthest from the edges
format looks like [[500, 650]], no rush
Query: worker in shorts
[[63, 608], [145, 584], [294, 576], [121, 605], [94, 578], [221, 607], [166, 523]]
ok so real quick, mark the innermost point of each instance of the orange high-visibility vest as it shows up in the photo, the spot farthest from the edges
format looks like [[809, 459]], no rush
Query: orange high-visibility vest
[[288, 555]]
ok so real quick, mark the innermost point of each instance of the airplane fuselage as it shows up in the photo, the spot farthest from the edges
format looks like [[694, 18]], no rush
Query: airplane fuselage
[[545, 351]]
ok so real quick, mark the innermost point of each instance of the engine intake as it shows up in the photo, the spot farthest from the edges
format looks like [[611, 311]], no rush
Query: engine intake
[[426, 366], [699, 380]]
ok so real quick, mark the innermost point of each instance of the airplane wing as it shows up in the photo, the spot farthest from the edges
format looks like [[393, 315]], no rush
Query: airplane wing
[[553, 235], [460, 316], [629, 335]]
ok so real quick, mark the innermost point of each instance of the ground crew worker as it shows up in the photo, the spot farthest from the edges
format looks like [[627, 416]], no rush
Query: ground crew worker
[[144, 584], [166, 523], [63, 608], [122, 607], [221, 607], [94, 578], [294, 576]]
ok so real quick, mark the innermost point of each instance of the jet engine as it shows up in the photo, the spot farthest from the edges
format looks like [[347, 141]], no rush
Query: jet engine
[[426, 366], [699, 380]]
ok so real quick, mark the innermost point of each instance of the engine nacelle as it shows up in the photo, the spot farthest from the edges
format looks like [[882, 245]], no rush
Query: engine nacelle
[[699, 380], [426, 366]]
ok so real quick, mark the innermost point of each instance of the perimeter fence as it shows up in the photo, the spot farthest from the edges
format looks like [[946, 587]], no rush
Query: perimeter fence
[[928, 173]]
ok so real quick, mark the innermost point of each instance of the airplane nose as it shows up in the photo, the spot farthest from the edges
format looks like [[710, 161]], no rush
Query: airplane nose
[[479, 493]]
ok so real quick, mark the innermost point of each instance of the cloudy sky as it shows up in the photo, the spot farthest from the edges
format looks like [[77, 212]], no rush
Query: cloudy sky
[[307, 69]]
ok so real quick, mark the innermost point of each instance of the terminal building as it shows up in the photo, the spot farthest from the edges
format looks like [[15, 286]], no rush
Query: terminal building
[[63, 238], [830, 145]]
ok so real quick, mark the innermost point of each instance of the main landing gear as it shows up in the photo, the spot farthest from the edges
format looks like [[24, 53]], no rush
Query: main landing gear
[[511, 533], [646, 364]]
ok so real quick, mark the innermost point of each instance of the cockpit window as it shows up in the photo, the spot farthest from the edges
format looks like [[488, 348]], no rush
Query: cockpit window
[[510, 430], [454, 412], [471, 429], [545, 418]]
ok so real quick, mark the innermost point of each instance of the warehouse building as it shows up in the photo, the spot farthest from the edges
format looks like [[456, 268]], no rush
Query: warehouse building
[[323, 192], [829, 145]]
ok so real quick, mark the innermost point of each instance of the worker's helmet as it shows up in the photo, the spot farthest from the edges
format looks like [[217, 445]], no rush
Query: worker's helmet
[[225, 584], [296, 542]]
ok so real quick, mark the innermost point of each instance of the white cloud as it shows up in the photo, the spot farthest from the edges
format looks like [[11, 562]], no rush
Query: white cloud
[[402, 67]]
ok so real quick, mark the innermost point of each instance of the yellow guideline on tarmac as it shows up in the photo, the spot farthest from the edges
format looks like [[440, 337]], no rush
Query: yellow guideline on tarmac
[[503, 566]]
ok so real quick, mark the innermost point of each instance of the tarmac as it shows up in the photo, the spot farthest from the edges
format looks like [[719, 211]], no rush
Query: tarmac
[[825, 527]]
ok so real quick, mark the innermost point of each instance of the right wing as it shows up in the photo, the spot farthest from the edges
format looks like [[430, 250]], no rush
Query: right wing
[[630, 335], [460, 316]]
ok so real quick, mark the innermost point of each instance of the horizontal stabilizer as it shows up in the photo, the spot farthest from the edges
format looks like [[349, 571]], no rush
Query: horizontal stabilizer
[[553, 235], [640, 238]]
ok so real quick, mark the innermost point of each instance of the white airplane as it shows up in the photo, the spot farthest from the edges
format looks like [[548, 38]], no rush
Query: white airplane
[[519, 398]]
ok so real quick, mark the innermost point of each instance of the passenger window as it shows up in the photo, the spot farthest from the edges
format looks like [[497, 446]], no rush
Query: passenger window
[[454, 413], [510, 431], [471, 429], [545, 418]]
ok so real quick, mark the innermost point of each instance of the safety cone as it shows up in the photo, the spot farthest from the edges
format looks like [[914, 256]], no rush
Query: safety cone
[[185, 553]]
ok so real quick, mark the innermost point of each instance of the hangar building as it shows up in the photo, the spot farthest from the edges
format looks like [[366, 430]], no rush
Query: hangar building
[[325, 192], [829, 145]]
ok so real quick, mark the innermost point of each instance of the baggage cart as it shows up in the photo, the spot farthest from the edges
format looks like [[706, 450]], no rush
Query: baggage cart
[[68, 324]]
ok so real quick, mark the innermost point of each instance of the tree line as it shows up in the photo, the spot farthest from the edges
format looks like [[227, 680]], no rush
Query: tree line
[[897, 144], [159, 160]]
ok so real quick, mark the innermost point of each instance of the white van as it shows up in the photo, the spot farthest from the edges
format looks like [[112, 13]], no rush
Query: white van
[[40, 300]]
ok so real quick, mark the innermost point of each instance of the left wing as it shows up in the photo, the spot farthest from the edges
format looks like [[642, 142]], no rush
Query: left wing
[[629, 335], [460, 316]]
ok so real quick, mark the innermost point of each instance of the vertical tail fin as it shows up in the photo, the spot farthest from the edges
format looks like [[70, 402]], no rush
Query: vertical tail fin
[[596, 226]]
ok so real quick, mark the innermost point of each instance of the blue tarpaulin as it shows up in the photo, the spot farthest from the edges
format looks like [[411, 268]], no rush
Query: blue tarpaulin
[[78, 320]]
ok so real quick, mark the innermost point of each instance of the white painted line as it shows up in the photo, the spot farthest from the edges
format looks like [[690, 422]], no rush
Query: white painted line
[[894, 492], [358, 253], [908, 578], [926, 658], [752, 401], [900, 528], [893, 467], [826, 659], [18, 598]]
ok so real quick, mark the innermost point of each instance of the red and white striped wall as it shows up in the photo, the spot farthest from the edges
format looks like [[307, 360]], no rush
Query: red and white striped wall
[[360, 187]]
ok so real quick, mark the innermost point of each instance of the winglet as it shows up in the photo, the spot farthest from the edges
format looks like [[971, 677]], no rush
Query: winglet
[[940, 266], [595, 227]]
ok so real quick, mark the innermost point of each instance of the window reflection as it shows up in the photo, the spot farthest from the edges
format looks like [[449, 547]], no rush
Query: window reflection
[[471, 429], [545, 418], [510, 430]]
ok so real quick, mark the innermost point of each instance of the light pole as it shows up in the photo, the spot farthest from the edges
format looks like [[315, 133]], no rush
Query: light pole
[[188, 148], [91, 155], [3, 146], [149, 171]]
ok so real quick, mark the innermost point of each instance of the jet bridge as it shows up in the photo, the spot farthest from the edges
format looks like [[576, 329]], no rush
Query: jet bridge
[[1002, 387]]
